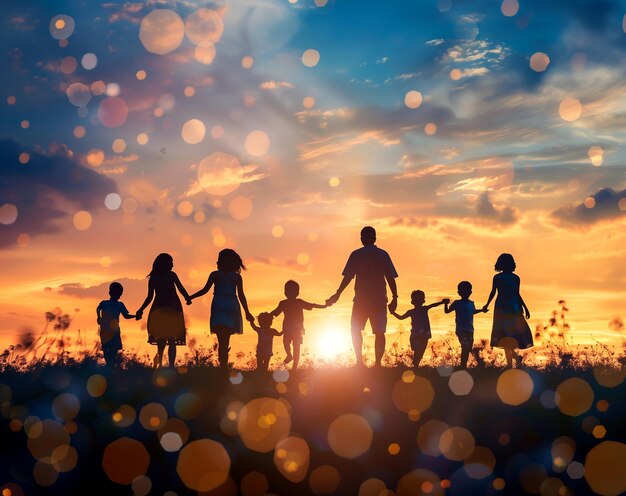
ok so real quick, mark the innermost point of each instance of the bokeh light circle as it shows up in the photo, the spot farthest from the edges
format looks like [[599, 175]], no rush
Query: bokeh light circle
[[604, 468], [574, 396], [262, 423], [413, 99], [570, 109], [350, 435], [539, 62], [193, 131], [414, 397], [161, 31], [113, 111], [257, 143], [324, 480], [8, 214], [310, 57], [82, 220], [204, 27], [514, 387], [124, 460], [456, 443], [203, 465], [291, 458], [61, 27], [78, 94]]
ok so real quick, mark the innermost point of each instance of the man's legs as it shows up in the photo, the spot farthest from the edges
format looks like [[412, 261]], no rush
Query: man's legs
[[359, 317], [378, 321], [379, 347]]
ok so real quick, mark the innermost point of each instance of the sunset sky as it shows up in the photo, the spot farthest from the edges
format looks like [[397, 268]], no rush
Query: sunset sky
[[458, 129]]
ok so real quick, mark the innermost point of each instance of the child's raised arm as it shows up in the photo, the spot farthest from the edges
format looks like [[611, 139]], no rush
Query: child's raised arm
[[243, 300], [181, 289], [209, 282]]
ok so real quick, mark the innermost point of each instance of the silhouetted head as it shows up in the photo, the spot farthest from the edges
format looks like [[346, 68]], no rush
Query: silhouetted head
[[115, 290], [265, 319], [464, 289], [229, 261], [418, 298], [162, 264], [292, 289], [368, 235], [505, 263]]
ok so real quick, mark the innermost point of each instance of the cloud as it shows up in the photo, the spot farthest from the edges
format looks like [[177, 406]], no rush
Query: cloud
[[486, 211], [274, 85], [605, 205], [44, 189], [100, 291], [225, 178], [435, 42]]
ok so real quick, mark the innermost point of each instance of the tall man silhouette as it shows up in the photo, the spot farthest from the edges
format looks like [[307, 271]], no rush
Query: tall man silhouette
[[372, 267]]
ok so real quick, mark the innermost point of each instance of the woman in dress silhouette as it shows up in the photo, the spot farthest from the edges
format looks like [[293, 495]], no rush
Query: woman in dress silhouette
[[227, 297], [166, 323], [510, 330]]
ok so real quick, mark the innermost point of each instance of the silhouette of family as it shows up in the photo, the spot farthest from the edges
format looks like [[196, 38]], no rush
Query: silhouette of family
[[372, 269]]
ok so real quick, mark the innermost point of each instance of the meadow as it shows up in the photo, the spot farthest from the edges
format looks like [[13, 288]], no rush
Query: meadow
[[553, 427]]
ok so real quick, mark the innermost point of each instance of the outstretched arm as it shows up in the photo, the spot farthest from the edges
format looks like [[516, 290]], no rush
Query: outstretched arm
[[209, 282], [432, 305], [310, 306], [243, 300], [398, 316], [139, 313], [491, 295], [125, 313], [181, 289], [344, 284]]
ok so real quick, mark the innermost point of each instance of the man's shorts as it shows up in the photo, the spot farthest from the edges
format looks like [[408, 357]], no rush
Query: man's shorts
[[375, 312], [292, 337]]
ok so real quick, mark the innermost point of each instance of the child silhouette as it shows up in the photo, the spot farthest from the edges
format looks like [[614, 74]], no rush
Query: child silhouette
[[292, 309], [227, 297], [166, 323], [510, 330], [420, 324], [108, 313], [265, 340], [464, 319]]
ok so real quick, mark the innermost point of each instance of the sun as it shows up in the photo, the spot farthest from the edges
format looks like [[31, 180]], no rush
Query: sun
[[332, 343]]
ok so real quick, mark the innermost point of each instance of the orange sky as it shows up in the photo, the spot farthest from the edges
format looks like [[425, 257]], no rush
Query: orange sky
[[456, 147]]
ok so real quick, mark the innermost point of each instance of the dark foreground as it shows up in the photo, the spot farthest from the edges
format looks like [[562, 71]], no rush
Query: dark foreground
[[341, 431]]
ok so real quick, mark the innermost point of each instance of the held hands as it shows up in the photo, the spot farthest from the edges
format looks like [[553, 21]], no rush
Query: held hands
[[188, 301], [250, 317], [394, 304], [138, 314], [332, 300], [446, 301], [485, 309]]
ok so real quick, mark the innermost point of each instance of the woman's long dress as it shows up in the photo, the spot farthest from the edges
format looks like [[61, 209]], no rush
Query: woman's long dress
[[510, 329], [166, 319]]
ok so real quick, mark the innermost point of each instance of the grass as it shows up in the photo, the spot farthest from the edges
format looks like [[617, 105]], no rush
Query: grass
[[72, 426]]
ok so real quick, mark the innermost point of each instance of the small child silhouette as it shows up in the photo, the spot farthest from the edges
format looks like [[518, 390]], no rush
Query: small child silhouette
[[108, 313], [266, 337], [464, 310], [293, 322], [420, 324]]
